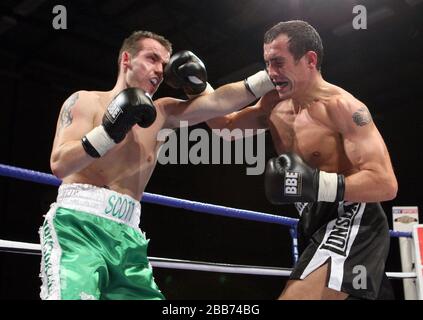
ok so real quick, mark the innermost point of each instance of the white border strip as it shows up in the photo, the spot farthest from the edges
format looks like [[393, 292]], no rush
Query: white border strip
[[19, 245], [14, 246], [218, 267], [418, 252]]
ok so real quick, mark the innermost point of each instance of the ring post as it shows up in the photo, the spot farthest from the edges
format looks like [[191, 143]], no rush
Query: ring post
[[418, 247], [404, 218]]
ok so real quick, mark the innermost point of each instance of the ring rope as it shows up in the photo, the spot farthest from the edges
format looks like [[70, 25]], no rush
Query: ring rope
[[44, 178], [33, 248]]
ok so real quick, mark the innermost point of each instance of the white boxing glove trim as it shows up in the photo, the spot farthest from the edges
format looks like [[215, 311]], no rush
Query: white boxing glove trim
[[328, 186], [100, 140], [260, 83]]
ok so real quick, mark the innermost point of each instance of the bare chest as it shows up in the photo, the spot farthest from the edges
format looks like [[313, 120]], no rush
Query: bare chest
[[316, 143], [137, 151], [132, 160]]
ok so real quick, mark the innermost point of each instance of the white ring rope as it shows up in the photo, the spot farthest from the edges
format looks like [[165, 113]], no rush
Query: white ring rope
[[34, 248]]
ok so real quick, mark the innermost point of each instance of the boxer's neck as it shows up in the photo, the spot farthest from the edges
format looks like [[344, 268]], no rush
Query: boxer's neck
[[316, 88], [120, 84]]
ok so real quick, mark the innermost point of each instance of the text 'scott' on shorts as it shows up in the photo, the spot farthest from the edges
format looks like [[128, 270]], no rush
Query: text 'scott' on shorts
[[92, 247]]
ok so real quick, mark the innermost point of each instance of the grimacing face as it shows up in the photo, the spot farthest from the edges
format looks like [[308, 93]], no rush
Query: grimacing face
[[288, 75], [145, 69]]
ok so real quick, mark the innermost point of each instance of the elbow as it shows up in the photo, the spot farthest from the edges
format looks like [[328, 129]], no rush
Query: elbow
[[391, 189], [57, 170]]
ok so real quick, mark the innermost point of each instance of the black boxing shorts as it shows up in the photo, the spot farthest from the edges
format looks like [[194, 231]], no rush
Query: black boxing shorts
[[353, 238]]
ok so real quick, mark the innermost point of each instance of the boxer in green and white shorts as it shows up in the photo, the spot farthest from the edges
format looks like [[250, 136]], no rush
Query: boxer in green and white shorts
[[92, 247]]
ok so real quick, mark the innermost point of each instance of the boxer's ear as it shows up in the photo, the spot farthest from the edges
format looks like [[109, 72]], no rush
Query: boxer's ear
[[311, 57], [126, 60]]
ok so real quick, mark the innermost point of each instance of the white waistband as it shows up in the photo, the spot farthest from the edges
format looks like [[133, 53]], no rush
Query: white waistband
[[100, 201]]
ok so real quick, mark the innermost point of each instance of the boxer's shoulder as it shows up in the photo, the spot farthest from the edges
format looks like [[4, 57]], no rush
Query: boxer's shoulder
[[340, 100], [345, 112], [339, 104], [84, 103], [168, 106], [83, 97], [167, 102]]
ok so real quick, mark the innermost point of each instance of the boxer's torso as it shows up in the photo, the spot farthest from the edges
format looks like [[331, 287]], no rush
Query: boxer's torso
[[310, 134], [127, 167]]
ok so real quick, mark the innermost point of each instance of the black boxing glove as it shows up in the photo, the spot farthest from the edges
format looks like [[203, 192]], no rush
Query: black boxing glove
[[185, 70], [131, 106], [288, 179]]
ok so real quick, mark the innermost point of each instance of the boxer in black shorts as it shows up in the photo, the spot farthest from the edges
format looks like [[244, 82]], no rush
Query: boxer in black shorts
[[352, 237], [331, 156]]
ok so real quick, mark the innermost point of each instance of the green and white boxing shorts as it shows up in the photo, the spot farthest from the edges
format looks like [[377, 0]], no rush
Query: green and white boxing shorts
[[92, 247]]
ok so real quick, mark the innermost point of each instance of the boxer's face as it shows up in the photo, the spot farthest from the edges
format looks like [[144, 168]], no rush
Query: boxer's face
[[145, 69], [289, 76]]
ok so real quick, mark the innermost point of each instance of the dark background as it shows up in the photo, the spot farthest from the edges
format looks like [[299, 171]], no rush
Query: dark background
[[40, 67]]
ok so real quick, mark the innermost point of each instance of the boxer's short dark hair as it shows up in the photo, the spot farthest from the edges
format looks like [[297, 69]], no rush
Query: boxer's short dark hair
[[302, 38], [131, 44]]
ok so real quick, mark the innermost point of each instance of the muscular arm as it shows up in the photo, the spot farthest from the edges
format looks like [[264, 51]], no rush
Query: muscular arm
[[253, 117], [364, 146], [75, 120], [224, 100]]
